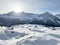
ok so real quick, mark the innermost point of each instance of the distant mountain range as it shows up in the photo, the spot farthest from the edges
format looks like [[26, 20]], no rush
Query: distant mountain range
[[13, 18]]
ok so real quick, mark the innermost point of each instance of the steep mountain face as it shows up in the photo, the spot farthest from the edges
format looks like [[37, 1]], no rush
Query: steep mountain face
[[13, 18], [58, 15], [49, 19]]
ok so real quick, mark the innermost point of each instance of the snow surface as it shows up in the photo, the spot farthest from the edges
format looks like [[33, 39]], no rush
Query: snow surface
[[28, 34]]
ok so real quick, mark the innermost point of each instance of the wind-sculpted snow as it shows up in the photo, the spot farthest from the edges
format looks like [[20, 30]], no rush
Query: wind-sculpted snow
[[10, 34], [28, 34]]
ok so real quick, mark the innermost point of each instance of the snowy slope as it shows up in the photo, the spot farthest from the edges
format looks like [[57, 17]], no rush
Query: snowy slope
[[49, 19], [29, 35], [58, 15]]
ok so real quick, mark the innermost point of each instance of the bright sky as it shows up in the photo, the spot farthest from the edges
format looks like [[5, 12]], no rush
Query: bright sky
[[33, 6]]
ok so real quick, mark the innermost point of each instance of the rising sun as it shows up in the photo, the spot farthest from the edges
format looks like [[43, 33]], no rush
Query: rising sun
[[17, 8]]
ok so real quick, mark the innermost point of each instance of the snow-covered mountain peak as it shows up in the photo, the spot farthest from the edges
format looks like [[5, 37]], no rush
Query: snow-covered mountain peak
[[23, 17], [47, 14], [12, 12]]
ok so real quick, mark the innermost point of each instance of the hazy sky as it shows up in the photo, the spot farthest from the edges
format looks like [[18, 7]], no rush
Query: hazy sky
[[34, 6]]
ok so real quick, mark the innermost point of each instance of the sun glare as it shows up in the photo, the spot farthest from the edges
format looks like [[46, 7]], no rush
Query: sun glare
[[17, 8]]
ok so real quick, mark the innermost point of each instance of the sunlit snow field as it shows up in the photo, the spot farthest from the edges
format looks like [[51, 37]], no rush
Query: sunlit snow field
[[28, 34]]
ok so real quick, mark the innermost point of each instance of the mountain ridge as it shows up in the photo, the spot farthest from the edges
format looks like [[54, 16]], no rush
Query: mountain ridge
[[13, 18]]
